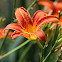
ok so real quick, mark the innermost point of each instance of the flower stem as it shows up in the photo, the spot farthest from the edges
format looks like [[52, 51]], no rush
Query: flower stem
[[52, 49], [6, 35], [38, 42], [20, 46], [55, 34], [5, 38], [49, 53], [60, 40], [26, 51], [14, 8], [32, 5], [14, 4]]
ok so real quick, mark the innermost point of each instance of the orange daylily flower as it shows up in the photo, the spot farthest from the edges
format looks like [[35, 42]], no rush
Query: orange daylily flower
[[55, 6], [30, 28]]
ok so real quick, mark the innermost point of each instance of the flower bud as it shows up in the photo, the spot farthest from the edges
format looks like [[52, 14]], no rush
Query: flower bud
[[50, 34], [2, 20]]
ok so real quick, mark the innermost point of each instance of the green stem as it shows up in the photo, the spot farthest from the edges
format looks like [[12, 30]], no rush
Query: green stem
[[60, 40], [38, 42], [49, 53], [14, 8], [52, 49], [46, 57], [26, 51], [41, 46], [14, 4], [61, 13], [6, 35], [32, 5], [5, 38], [15, 49], [55, 34], [58, 46]]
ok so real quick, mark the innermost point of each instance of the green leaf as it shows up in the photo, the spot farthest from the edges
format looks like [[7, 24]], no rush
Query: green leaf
[[53, 57], [1, 42], [18, 40]]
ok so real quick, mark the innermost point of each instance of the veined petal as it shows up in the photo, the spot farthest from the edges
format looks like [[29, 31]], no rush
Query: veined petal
[[27, 35], [55, 13], [16, 34], [14, 26], [47, 19], [40, 34], [39, 14], [47, 4], [23, 16]]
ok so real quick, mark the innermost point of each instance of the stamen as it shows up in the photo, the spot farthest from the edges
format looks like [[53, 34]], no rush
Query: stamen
[[58, 11], [21, 13]]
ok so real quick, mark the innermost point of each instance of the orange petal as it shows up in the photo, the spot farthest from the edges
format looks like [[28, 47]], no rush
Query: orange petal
[[48, 4], [39, 14], [14, 26], [16, 34], [23, 16], [2, 34], [55, 13], [59, 6], [40, 34], [47, 19], [58, 0], [60, 22], [27, 35]]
